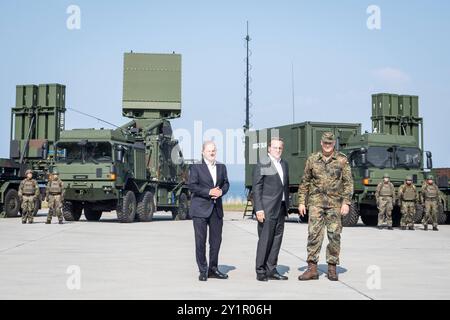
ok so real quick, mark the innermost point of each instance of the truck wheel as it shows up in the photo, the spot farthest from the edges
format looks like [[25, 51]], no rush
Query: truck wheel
[[92, 215], [181, 213], [12, 203], [418, 216], [126, 208], [71, 211], [370, 220], [351, 219], [442, 217], [146, 207]]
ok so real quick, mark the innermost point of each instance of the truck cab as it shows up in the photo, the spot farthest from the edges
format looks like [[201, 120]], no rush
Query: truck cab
[[371, 155]]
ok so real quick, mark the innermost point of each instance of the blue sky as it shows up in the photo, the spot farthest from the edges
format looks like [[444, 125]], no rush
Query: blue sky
[[338, 61]]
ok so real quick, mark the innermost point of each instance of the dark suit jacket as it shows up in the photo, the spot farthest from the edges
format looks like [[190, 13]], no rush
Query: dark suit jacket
[[267, 188], [199, 183]]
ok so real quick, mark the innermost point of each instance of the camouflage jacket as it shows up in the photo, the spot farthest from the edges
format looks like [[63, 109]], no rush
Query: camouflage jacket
[[403, 188], [426, 188], [49, 185], [327, 184], [34, 185], [392, 191]]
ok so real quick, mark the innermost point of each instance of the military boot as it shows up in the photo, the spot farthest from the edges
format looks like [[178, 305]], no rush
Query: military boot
[[411, 228], [310, 273], [61, 222], [425, 227], [403, 228], [48, 222], [390, 228], [435, 228], [332, 275]]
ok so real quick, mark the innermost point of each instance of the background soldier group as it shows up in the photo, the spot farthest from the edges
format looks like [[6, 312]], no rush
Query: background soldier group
[[408, 198], [29, 193]]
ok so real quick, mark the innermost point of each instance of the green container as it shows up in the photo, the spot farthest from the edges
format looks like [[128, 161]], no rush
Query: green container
[[26, 96]]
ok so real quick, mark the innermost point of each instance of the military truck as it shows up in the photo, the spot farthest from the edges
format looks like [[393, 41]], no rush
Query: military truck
[[395, 146], [300, 140], [36, 122], [135, 169]]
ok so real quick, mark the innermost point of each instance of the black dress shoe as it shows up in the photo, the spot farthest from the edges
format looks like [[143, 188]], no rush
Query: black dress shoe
[[217, 274], [203, 277], [277, 276], [261, 277]]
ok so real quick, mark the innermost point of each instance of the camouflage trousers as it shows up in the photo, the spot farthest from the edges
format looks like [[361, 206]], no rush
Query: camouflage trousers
[[27, 208], [319, 220], [54, 207], [385, 206], [408, 210], [431, 212]]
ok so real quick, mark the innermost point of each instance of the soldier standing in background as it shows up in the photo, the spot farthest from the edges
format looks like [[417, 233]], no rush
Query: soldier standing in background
[[28, 193], [385, 196], [430, 199], [328, 184], [407, 194], [55, 197]]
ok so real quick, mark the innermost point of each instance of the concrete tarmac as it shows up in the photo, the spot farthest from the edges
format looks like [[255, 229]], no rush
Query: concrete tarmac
[[156, 260]]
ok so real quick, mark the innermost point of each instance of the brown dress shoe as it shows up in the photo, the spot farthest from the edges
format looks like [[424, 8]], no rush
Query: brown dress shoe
[[332, 275], [310, 273]]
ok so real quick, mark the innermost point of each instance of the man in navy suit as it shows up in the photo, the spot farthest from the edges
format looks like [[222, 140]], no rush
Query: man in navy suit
[[208, 183], [271, 203]]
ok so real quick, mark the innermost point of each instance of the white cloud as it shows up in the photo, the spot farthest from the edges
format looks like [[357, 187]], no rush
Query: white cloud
[[392, 76]]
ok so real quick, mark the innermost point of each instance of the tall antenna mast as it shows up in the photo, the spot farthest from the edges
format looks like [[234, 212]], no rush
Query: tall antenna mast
[[293, 93], [247, 84]]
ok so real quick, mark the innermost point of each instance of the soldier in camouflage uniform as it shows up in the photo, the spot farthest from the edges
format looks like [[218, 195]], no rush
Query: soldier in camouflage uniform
[[385, 196], [429, 197], [407, 194], [28, 193], [55, 197], [327, 189]]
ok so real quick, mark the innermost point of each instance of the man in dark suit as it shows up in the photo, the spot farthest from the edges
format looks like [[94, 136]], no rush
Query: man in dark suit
[[271, 203], [208, 183]]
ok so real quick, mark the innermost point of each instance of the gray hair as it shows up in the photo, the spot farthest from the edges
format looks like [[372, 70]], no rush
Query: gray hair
[[207, 143]]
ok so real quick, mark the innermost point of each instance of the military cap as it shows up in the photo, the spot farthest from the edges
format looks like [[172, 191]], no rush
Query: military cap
[[28, 171], [408, 178], [430, 177], [386, 175], [55, 171], [328, 137]]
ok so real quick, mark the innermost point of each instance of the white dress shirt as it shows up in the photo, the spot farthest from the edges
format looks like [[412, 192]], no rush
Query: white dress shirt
[[277, 163], [212, 170]]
